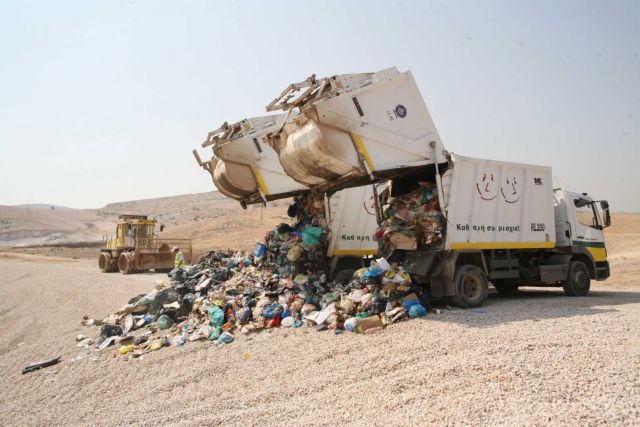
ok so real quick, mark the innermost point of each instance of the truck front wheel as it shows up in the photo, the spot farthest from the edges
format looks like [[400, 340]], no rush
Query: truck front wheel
[[578, 281], [470, 286]]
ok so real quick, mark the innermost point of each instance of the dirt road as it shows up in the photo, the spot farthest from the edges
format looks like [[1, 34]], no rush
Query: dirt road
[[538, 358]]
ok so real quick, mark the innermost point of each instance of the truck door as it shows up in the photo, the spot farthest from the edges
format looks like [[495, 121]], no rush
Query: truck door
[[587, 226]]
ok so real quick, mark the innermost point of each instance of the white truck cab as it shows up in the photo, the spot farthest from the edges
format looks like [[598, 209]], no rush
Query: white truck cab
[[580, 223]]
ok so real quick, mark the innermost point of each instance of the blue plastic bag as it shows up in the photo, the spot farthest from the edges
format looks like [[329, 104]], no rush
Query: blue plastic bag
[[260, 250], [408, 304], [417, 310]]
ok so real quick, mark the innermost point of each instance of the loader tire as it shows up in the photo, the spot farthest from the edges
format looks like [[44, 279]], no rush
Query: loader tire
[[125, 263], [578, 281], [470, 286], [344, 276], [104, 262]]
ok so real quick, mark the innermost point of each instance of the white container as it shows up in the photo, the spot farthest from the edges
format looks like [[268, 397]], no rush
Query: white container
[[352, 221], [498, 205], [355, 125], [246, 168]]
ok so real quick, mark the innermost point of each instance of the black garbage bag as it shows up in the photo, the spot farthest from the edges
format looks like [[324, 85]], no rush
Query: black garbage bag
[[284, 228], [110, 330], [186, 304], [244, 315], [165, 296], [171, 312]]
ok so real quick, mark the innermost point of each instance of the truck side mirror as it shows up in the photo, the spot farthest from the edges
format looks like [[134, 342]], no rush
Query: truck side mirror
[[607, 216]]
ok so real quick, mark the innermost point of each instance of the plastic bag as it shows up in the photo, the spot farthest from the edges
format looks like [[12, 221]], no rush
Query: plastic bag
[[311, 235], [217, 315], [294, 253], [164, 322], [225, 338], [260, 250], [417, 310]]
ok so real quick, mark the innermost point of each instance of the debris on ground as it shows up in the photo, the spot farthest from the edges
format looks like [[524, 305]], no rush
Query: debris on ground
[[228, 293], [39, 365]]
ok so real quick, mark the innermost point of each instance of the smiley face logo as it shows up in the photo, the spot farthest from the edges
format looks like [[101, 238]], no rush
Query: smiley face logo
[[486, 187], [510, 190]]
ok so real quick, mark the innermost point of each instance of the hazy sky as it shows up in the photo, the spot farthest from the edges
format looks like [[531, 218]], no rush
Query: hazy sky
[[103, 101]]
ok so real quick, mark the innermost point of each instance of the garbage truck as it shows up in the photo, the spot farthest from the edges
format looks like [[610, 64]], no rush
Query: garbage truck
[[455, 223], [464, 222]]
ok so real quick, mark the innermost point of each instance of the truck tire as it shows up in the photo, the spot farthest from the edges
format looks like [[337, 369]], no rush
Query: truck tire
[[343, 276], [470, 286], [578, 281]]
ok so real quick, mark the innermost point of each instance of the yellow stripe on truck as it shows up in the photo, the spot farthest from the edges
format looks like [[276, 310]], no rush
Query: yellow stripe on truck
[[355, 252], [261, 183], [503, 245], [598, 254], [360, 144]]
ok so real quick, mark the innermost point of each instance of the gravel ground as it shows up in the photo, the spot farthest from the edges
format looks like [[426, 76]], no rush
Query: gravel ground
[[538, 358]]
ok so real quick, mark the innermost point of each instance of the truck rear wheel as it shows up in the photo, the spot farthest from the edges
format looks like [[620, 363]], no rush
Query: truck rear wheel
[[470, 286], [578, 281]]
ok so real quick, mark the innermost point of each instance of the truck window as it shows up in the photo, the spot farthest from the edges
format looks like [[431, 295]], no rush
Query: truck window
[[585, 215]]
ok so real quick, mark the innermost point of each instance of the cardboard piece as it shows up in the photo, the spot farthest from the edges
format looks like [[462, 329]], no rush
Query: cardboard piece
[[368, 323]]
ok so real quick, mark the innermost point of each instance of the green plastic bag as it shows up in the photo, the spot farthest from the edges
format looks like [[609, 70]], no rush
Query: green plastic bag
[[311, 235], [217, 315], [216, 333], [164, 322]]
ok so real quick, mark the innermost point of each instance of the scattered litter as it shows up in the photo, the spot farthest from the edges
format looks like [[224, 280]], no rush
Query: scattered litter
[[39, 365]]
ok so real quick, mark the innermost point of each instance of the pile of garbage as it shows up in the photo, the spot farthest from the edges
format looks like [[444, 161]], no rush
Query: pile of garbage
[[228, 293], [411, 221], [301, 247]]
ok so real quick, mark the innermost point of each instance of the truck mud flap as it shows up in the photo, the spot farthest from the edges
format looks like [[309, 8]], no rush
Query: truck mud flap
[[442, 277], [419, 263]]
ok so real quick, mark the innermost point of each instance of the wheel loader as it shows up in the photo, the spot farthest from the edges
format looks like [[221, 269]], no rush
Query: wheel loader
[[135, 247]]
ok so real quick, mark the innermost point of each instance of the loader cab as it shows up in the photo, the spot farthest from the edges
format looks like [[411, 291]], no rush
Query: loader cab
[[131, 228], [580, 222]]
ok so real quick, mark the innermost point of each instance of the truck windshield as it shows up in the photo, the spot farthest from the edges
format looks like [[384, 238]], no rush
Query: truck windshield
[[586, 215]]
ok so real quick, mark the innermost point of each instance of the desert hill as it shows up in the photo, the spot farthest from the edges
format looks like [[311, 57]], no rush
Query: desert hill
[[210, 219], [28, 225]]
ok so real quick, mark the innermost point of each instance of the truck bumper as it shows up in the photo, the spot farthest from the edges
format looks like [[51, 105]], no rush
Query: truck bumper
[[602, 270]]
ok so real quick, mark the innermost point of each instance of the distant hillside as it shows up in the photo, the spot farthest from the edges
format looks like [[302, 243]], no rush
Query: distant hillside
[[21, 226], [210, 219], [41, 206]]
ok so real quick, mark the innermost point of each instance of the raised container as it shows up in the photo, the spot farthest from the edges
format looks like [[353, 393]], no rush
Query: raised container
[[353, 128], [244, 167]]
